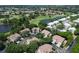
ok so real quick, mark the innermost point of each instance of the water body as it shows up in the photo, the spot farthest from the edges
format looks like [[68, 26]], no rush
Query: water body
[[5, 28], [46, 21]]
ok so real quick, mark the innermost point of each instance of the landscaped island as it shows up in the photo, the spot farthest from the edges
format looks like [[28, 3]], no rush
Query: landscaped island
[[39, 29]]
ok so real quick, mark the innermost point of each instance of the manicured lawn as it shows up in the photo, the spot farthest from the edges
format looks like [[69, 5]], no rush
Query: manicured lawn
[[7, 33], [75, 49], [68, 13], [39, 18]]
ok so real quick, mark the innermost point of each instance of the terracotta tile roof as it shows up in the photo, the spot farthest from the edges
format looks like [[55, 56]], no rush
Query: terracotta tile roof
[[25, 30], [46, 32], [58, 38], [46, 48], [14, 37]]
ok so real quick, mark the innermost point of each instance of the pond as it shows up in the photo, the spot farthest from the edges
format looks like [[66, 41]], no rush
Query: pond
[[2, 47], [4, 28], [46, 21]]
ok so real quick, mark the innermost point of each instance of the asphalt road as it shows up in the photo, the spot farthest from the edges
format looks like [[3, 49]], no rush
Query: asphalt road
[[72, 44]]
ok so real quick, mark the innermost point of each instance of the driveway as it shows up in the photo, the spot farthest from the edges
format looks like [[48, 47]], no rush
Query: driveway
[[59, 49]]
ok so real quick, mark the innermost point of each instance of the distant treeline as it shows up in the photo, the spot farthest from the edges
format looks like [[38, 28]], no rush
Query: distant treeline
[[70, 8], [40, 6]]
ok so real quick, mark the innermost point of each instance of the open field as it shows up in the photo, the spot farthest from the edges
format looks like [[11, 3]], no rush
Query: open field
[[39, 18]]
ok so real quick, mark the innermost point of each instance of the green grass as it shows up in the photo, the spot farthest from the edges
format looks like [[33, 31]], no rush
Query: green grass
[[75, 48], [68, 13], [39, 18], [16, 16]]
